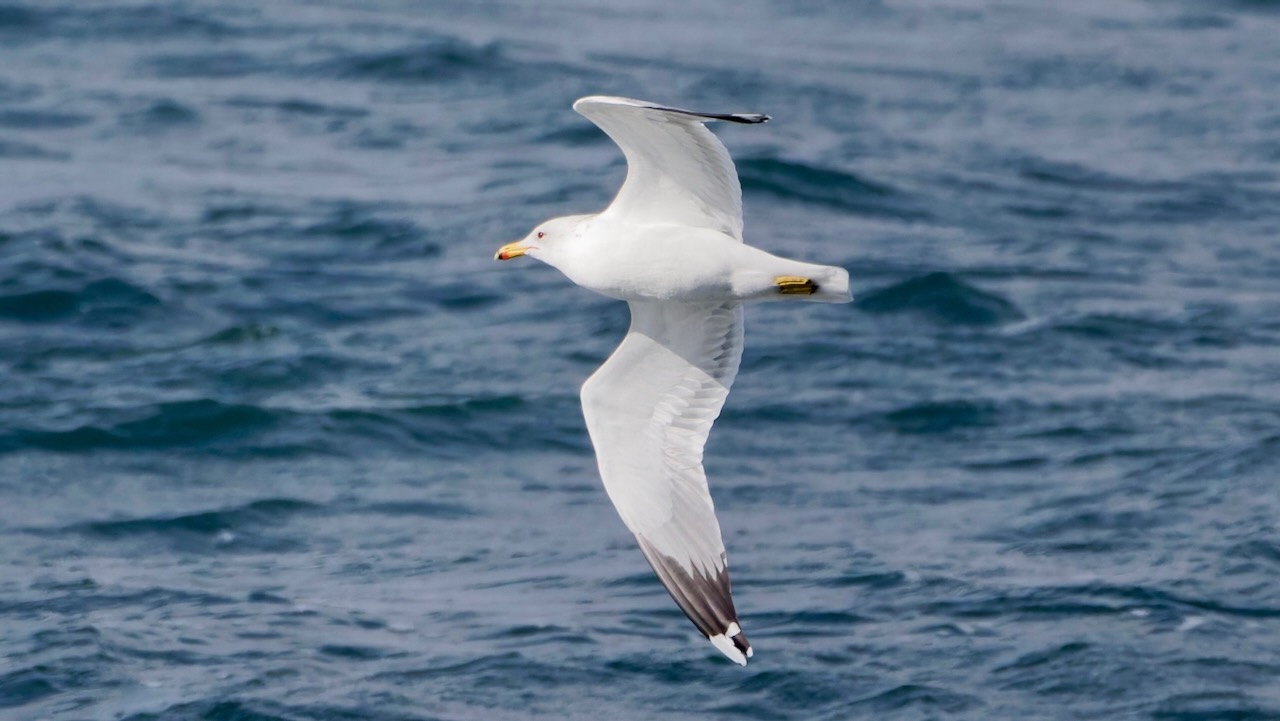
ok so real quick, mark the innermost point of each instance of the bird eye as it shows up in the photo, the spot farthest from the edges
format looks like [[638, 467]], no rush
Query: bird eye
[[540, 233]]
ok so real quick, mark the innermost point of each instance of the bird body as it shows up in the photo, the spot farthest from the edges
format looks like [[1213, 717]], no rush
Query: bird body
[[671, 262], [670, 244]]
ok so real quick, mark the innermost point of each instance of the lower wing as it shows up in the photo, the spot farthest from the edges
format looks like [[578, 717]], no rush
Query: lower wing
[[649, 409]]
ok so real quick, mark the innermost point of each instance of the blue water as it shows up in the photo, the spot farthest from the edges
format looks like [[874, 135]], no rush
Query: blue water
[[280, 441]]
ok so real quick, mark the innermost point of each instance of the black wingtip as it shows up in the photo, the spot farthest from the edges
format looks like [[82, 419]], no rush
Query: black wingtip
[[744, 118], [704, 597]]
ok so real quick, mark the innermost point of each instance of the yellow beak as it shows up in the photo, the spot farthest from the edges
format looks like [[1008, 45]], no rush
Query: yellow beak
[[509, 251]]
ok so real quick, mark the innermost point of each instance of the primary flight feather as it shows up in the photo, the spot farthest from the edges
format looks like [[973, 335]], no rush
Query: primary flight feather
[[670, 244]]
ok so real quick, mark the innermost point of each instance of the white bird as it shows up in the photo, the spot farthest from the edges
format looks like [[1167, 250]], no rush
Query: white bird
[[670, 244]]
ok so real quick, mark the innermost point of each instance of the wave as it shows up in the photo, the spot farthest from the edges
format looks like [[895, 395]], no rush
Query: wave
[[439, 60], [15, 150], [256, 527], [1258, 550], [151, 22], [1076, 72], [528, 635], [224, 64], [165, 425], [267, 512], [357, 653], [933, 698], [943, 298], [877, 581], [1152, 339], [295, 232], [494, 671], [1056, 186], [794, 180], [815, 695], [108, 302], [241, 333], [42, 120], [297, 107], [1206, 705], [1087, 531], [1056, 671], [161, 115], [1079, 177], [456, 429], [940, 417], [18, 18], [1091, 599], [420, 509], [87, 598], [450, 429], [443, 59], [40, 305], [27, 685], [223, 709]]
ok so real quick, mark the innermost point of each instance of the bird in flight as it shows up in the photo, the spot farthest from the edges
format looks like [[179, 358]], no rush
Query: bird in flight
[[670, 244]]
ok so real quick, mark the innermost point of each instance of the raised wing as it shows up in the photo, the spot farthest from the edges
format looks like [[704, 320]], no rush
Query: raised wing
[[677, 170], [648, 410]]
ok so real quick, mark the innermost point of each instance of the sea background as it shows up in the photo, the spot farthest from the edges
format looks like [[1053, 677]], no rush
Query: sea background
[[280, 441]]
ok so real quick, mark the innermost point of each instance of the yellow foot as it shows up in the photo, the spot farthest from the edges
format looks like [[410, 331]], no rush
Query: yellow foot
[[795, 285]]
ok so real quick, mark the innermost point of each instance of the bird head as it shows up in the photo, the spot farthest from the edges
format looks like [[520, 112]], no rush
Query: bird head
[[545, 241]]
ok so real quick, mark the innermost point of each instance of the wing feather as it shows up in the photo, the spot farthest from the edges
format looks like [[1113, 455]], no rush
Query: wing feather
[[648, 410], [677, 170]]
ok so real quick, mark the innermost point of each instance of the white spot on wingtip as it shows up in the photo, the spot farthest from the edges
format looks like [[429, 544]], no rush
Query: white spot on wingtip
[[722, 642], [733, 630]]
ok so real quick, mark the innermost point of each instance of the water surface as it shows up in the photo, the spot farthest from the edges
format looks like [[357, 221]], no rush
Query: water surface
[[279, 441]]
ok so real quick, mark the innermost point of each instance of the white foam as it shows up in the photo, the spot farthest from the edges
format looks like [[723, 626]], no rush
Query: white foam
[[1190, 623]]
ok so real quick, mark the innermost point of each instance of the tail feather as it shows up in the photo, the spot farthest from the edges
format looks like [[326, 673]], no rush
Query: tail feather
[[833, 285]]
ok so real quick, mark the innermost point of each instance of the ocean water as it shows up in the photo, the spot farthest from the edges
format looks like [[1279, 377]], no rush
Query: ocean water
[[279, 441]]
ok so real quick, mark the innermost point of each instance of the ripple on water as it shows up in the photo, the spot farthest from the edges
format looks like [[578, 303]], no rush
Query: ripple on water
[[940, 417], [42, 120], [149, 22], [86, 598], [17, 150], [1210, 705], [219, 709], [104, 303], [159, 116], [797, 181], [943, 298], [320, 231], [440, 60], [928, 698], [25, 685], [176, 424], [815, 693], [257, 527], [221, 65], [204, 425]]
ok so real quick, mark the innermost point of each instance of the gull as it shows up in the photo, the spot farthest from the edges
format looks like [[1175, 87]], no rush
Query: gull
[[670, 245]]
